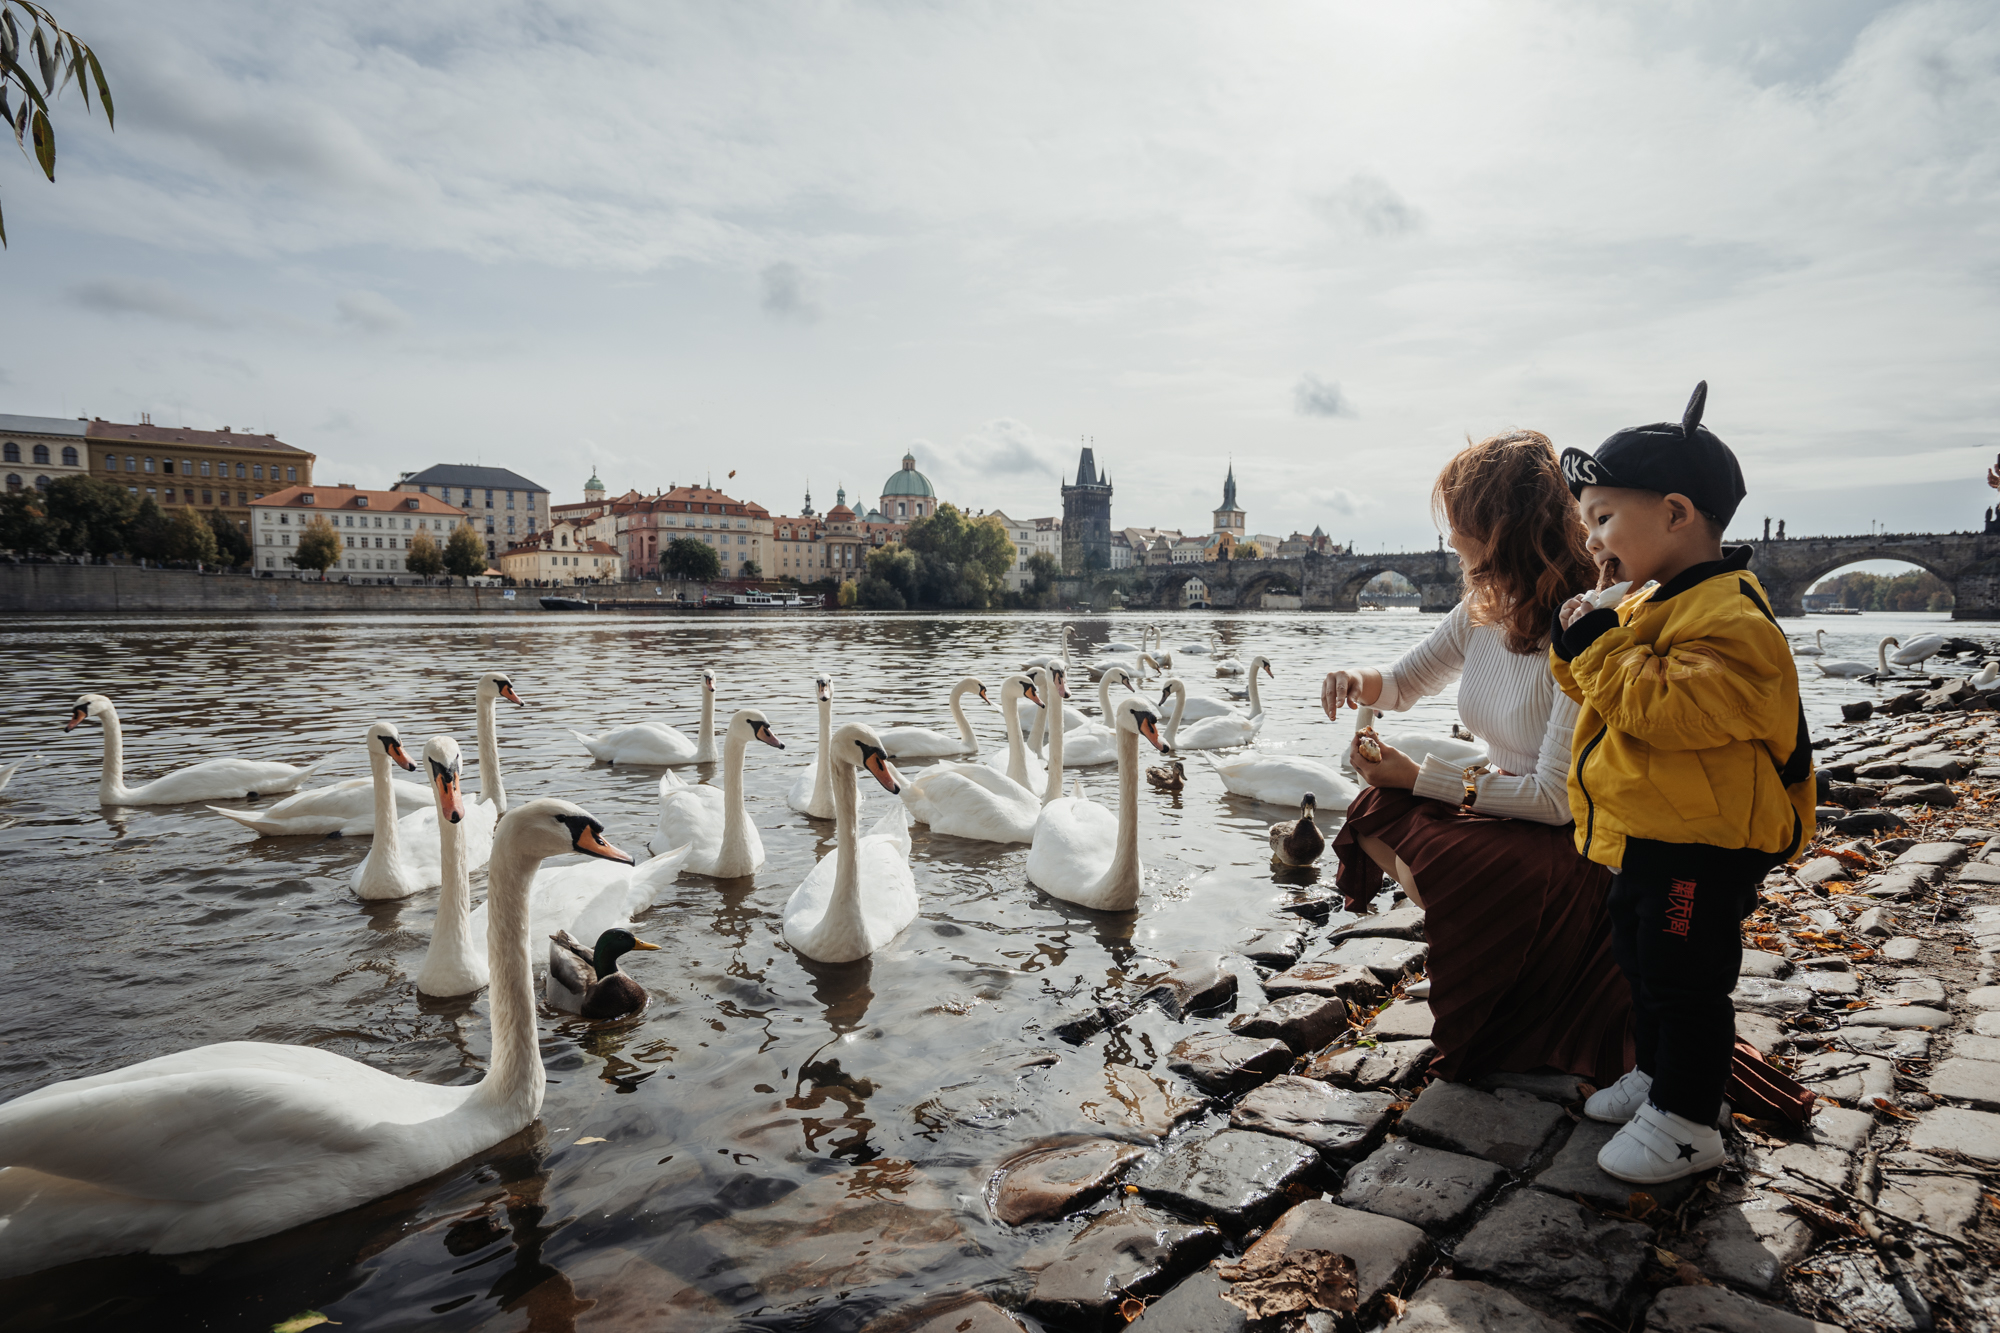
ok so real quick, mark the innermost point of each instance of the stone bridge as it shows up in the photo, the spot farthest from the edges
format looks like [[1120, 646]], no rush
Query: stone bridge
[[1967, 562]]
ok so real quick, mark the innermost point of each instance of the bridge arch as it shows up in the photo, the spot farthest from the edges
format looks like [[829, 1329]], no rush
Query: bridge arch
[[1789, 569]]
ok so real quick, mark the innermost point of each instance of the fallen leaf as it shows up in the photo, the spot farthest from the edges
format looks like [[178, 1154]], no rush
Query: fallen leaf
[[1666, 1258], [299, 1323], [1396, 1305], [592, 1139], [1688, 1275], [1882, 1104], [1839, 886], [1131, 1308], [1824, 1218], [1295, 1282], [1639, 1204]]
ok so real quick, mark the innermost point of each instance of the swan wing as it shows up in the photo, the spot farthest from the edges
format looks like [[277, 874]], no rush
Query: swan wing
[[960, 803], [1284, 780], [1073, 843], [219, 780], [691, 816], [641, 743], [1088, 747], [919, 743]]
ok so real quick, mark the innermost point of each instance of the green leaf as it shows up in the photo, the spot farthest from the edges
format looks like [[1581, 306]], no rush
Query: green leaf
[[3, 231], [299, 1323], [45, 144], [103, 88], [44, 57]]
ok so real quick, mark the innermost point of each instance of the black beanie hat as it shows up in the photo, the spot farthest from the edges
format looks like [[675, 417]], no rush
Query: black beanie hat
[[1681, 457]]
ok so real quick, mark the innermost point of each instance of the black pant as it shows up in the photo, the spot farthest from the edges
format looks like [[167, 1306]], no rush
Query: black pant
[[1676, 911]]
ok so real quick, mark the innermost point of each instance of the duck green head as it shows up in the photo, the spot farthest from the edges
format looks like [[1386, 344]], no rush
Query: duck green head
[[613, 945]]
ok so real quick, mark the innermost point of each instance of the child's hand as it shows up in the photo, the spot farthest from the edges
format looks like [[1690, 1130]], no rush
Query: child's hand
[[1577, 607]]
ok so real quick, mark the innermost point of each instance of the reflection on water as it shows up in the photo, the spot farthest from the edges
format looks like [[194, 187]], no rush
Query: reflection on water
[[770, 1133]]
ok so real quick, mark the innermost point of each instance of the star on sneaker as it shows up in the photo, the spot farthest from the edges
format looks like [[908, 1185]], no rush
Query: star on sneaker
[[1656, 1146]]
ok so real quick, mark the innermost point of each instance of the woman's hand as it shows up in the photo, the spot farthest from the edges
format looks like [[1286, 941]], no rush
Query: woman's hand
[[1396, 769], [1349, 689]]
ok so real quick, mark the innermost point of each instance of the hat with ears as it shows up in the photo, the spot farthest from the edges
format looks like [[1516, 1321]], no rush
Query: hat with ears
[[1669, 457]]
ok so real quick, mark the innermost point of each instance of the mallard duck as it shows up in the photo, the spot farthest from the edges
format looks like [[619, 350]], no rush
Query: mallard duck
[[1170, 776], [1297, 842], [590, 984]]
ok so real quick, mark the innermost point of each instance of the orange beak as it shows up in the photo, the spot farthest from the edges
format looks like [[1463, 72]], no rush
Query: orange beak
[[1149, 728], [449, 799], [76, 717], [396, 753], [590, 844], [878, 763], [1267, 671], [982, 695], [507, 693], [1030, 695]]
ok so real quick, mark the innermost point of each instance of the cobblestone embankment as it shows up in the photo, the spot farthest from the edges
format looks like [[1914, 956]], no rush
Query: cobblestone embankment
[[1869, 973]]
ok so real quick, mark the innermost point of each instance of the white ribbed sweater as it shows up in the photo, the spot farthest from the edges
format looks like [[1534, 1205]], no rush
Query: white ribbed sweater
[[1508, 700]]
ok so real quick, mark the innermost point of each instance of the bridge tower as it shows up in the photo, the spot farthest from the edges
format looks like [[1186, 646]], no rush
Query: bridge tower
[[1086, 527], [1229, 519]]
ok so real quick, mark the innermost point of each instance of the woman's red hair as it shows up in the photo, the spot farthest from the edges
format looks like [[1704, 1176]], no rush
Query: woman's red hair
[[1508, 493]]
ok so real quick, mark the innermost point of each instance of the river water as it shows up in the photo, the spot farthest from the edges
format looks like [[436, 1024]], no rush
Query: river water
[[781, 1144]]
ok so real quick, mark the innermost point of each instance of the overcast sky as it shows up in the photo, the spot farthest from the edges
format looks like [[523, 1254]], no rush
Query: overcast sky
[[1331, 240]]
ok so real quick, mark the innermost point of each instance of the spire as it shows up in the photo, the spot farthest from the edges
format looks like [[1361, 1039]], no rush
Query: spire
[[1229, 487], [1086, 469]]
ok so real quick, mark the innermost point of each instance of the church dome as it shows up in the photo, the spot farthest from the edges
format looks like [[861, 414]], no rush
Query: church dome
[[908, 481], [593, 484]]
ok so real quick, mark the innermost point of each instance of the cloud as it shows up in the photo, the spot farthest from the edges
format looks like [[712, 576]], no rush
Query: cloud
[[1336, 500], [1366, 204], [785, 293], [145, 296], [1315, 397], [370, 312]]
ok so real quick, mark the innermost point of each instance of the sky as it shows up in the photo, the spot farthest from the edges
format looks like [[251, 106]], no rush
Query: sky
[[1325, 242]]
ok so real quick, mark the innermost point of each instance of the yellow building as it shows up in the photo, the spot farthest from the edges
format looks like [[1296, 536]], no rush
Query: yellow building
[[209, 469], [564, 552]]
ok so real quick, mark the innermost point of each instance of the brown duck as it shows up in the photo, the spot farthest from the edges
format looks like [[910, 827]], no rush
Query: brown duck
[[1169, 776], [589, 983], [1298, 842]]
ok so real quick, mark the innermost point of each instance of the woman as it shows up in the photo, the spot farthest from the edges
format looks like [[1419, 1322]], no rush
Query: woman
[[1522, 975]]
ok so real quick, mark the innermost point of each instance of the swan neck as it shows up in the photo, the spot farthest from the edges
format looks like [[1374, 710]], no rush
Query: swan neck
[[965, 736], [491, 788], [1123, 877], [388, 848], [844, 904], [704, 750], [1256, 700], [451, 947], [735, 819], [1180, 706], [1053, 788], [111, 783], [823, 766], [1038, 737], [1017, 759], [514, 1079]]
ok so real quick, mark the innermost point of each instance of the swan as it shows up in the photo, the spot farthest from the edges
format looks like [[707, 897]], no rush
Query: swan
[[209, 780], [1281, 779], [1298, 842], [1058, 658], [1016, 762], [1229, 666], [1081, 852], [1193, 649], [407, 855], [1193, 707], [1177, 688], [725, 842], [1815, 649], [812, 791], [226, 1143], [493, 687], [341, 809], [1917, 651], [1420, 745], [455, 962], [7, 773], [1219, 733], [862, 893], [587, 982], [1091, 744], [1849, 668], [1136, 665], [1986, 679], [917, 743], [656, 745], [972, 801]]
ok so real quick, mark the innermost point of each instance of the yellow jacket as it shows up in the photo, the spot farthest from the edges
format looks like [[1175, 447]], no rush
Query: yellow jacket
[[1691, 729]]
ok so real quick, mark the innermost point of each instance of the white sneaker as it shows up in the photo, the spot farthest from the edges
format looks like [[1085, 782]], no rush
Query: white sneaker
[[1614, 1105], [1656, 1146]]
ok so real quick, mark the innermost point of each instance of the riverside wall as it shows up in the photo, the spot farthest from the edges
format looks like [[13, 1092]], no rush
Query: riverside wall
[[46, 588]]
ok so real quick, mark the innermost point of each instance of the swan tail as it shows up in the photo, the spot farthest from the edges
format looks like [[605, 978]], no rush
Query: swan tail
[[670, 782], [316, 765], [597, 749], [895, 825], [650, 878], [247, 819]]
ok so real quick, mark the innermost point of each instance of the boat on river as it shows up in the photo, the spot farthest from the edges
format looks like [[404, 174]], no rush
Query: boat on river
[[567, 604]]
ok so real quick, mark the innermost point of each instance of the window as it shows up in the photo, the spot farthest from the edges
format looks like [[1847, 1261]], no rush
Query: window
[[204, 467], [10, 452], [284, 518], [378, 520], [489, 499], [239, 472], [291, 473], [510, 499], [41, 455], [13, 481], [206, 497], [350, 544], [131, 463], [69, 455], [406, 525], [257, 471]]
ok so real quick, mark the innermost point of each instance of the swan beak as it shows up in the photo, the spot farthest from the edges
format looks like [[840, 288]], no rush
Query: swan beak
[[590, 843], [76, 717], [641, 944], [1062, 684], [449, 800], [877, 763], [1032, 697], [983, 698], [507, 693], [1267, 671], [395, 749], [1149, 728], [826, 693], [762, 731]]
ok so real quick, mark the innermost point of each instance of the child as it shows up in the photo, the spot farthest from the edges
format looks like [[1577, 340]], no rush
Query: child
[[1691, 774]]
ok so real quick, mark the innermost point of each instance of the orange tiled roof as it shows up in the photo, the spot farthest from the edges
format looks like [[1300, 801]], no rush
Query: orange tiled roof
[[349, 497]]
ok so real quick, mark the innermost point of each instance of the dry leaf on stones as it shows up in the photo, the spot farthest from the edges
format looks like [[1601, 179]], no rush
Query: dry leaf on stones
[[1297, 1281]]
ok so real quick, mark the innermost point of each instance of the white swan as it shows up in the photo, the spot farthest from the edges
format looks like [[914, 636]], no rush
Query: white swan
[[1193, 649], [493, 687], [1015, 761], [455, 961], [1219, 733], [1057, 658], [656, 745], [344, 809], [407, 854], [1278, 779], [222, 1144], [1817, 648], [724, 843], [1917, 651], [1091, 744], [1988, 676], [1192, 707], [1229, 666], [1848, 668], [209, 780], [1081, 852], [971, 801], [862, 893], [811, 793], [917, 743]]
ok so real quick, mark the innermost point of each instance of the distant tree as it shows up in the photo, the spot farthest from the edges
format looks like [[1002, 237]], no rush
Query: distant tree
[[1912, 590], [232, 544], [319, 546], [944, 560], [88, 515], [189, 537], [890, 582], [25, 523], [752, 570], [146, 534], [1044, 571], [59, 56], [464, 553], [424, 558], [848, 594], [1250, 551], [686, 558]]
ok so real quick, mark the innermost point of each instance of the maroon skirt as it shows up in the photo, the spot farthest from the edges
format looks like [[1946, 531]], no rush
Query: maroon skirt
[[1522, 976]]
